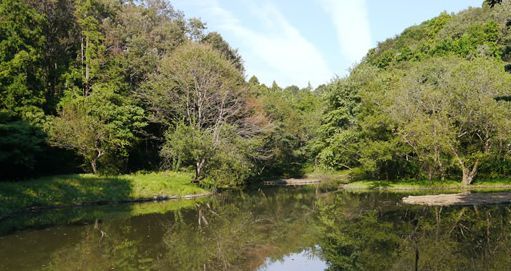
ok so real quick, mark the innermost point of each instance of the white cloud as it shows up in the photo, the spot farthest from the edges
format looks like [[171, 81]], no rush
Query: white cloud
[[275, 52], [351, 21]]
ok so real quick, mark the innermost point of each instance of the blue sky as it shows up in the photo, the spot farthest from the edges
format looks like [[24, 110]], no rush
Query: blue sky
[[297, 42]]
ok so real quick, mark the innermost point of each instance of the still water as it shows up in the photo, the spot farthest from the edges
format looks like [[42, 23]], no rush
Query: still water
[[272, 229]]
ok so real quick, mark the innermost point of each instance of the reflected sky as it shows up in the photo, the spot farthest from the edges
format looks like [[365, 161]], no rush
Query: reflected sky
[[272, 229], [303, 261]]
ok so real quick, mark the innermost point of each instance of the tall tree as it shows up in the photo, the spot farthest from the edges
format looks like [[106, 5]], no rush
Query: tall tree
[[89, 14], [61, 47], [99, 126], [217, 42], [448, 107], [199, 88], [139, 36], [21, 53]]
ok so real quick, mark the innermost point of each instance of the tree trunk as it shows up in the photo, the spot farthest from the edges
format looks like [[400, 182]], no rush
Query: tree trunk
[[82, 56], [198, 169], [430, 172], [469, 175], [94, 161], [93, 165], [87, 68], [467, 179]]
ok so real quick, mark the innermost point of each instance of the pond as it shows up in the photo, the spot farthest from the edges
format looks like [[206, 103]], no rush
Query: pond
[[271, 229]]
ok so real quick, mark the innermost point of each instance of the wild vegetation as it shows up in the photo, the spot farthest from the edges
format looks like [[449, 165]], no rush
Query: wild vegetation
[[431, 103], [113, 87]]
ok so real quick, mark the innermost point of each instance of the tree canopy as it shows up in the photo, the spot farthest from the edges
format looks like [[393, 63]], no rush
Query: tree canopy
[[430, 102], [131, 85]]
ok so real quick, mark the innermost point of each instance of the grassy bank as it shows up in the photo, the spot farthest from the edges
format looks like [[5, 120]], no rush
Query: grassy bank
[[415, 185], [79, 189]]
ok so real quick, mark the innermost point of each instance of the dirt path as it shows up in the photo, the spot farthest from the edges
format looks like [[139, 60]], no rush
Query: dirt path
[[459, 199]]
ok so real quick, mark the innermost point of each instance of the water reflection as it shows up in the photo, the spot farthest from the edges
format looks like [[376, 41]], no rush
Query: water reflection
[[374, 232], [236, 231], [283, 229], [303, 261]]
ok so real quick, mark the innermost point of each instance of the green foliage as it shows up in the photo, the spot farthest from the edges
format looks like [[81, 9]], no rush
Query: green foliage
[[100, 126], [21, 52], [212, 126], [20, 143], [469, 34], [447, 112], [81, 64], [337, 141], [294, 114], [216, 41], [186, 144], [67, 190], [138, 36], [429, 103]]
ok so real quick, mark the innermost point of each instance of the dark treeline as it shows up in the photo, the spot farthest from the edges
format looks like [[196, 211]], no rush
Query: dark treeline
[[110, 86], [372, 232]]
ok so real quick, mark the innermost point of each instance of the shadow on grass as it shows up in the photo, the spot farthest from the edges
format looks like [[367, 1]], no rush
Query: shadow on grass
[[66, 190]]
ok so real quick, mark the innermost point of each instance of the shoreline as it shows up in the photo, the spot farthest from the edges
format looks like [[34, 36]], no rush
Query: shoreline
[[460, 199], [67, 191], [162, 198], [397, 187]]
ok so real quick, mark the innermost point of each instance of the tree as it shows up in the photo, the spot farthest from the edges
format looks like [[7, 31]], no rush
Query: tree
[[139, 36], [97, 126], [20, 143], [448, 106], [21, 46], [373, 143], [493, 3], [197, 87], [61, 46], [294, 114], [89, 14], [218, 43]]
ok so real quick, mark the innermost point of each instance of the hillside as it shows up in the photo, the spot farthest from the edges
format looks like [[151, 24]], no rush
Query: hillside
[[429, 103], [471, 33]]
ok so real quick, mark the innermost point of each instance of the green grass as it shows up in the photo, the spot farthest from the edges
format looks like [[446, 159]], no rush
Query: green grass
[[411, 185], [340, 176], [330, 179], [68, 190]]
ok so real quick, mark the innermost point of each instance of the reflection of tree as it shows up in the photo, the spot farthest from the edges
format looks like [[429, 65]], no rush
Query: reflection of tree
[[240, 233], [102, 247], [228, 232], [355, 239], [359, 234]]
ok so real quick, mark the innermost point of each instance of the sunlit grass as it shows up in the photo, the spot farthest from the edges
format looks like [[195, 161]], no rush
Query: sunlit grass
[[67, 190]]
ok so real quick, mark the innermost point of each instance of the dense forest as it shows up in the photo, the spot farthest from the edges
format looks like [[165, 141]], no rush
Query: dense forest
[[116, 86], [108, 86]]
